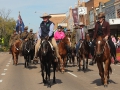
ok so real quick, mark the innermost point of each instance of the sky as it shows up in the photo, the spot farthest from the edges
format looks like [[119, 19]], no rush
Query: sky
[[28, 8]]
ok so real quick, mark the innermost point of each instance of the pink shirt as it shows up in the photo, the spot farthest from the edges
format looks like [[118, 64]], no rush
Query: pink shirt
[[59, 35], [114, 40]]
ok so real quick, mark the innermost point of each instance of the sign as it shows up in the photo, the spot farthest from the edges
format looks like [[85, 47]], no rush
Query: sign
[[114, 21], [62, 24], [82, 10], [75, 16]]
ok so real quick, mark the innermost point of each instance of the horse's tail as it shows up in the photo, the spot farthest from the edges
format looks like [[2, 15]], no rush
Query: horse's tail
[[110, 70]]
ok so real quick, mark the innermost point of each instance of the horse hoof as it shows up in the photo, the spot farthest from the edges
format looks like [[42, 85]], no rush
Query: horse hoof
[[105, 86], [62, 72]]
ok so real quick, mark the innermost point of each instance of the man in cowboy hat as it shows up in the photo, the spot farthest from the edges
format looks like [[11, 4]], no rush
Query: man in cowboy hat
[[46, 30], [80, 34]]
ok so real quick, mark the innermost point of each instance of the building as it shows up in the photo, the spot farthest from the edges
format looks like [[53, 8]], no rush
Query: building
[[58, 19], [93, 8]]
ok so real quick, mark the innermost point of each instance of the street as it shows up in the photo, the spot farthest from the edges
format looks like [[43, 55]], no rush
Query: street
[[19, 78]]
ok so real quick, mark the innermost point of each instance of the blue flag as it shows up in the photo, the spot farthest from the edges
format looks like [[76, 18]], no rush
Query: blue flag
[[19, 25]]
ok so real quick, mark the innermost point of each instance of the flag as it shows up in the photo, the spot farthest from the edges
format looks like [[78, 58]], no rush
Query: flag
[[19, 24], [75, 16]]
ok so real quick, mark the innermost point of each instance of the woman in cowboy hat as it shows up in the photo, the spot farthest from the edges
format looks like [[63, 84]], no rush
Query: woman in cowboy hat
[[46, 30]]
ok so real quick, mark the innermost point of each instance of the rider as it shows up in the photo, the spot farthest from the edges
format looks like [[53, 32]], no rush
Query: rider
[[59, 34], [30, 35], [13, 37], [102, 28], [46, 31], [23, 36], [80, 35]]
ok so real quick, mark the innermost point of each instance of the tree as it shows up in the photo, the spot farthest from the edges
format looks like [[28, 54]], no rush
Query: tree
[[7, 25]]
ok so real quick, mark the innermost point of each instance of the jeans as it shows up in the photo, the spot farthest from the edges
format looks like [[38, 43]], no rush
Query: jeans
[[77, 47]]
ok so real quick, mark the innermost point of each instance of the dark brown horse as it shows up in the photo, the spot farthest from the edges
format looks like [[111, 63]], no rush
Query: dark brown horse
[[15, 51], [62, 46], [84, 51], [102, 54]]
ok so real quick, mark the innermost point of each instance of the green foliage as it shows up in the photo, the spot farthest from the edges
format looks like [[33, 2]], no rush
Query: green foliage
[[7, 26]]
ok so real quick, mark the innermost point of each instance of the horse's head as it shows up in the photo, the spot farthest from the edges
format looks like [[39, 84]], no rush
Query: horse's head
[[44, 47], [87, 38], [100, 46], [67, 42]]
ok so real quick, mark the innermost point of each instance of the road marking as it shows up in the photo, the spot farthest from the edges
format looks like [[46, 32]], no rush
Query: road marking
[[0, 80], [72, 74], [3, 74], [7, 65], [5, 69]]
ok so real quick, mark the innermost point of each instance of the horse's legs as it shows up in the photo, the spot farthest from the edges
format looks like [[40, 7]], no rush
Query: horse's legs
[[54, 69], [61, 65], [79, 63], [42, 73], [73, 59], [101, 71], [106, 74], [14, 58], [48, 73]]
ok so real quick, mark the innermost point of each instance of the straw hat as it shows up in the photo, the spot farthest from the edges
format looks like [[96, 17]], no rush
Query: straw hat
[[81, 24], [45, 15]]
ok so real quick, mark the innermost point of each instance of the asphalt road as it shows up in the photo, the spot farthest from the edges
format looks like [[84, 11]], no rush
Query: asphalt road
[[19, 78]]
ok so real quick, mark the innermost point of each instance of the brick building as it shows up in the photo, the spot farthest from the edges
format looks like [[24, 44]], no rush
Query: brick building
[[58, 18]]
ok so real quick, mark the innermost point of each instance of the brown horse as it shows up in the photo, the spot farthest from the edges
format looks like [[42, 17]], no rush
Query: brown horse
[[102, 54], [15, 51], [63, 46], [84, 52]]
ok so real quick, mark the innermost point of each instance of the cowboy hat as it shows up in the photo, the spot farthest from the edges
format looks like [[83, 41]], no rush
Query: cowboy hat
[[45, 15], [81, 23], [26, 28]]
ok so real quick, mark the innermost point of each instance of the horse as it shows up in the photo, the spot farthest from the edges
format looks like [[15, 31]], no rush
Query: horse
[[15, 49], [62, 47], [102, 54], [84, 51], [47, 58], [28, 52]]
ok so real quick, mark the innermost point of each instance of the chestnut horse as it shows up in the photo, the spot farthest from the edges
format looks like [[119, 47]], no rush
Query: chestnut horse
[[62, 47], [102, 54], [15, 51], [84, 52]]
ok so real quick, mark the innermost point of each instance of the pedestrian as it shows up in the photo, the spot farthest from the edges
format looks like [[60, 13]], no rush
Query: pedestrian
[[46, 30], [113, 39], [102, 28]]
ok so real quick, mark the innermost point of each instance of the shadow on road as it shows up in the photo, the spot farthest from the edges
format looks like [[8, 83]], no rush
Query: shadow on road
[[98, 82]]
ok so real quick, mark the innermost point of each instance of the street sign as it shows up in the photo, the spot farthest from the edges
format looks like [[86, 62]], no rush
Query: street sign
[[114, 21], [82, 10]]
